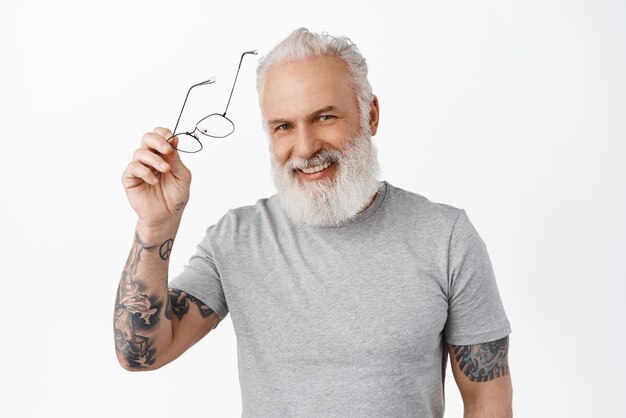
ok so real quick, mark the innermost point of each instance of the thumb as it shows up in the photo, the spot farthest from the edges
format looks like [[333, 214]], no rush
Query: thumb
[[172, 156], [174, 141]]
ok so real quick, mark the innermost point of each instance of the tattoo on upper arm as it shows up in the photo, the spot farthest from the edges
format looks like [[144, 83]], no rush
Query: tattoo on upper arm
[[179, 302], [483, 362], [136, 312]]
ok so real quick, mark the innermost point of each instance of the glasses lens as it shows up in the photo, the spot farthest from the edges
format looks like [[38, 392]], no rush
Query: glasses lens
[[216, 125], [186, 143]]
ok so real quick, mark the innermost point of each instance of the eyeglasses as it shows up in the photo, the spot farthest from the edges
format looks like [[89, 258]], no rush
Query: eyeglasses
[[216, 125]]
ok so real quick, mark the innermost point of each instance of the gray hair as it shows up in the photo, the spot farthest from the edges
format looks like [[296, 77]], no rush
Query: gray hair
[[302, 44]]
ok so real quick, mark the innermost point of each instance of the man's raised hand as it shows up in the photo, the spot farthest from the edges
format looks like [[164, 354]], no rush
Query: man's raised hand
[[156, 181]]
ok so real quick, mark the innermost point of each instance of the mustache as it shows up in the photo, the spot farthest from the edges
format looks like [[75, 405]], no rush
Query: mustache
[[320, 157]]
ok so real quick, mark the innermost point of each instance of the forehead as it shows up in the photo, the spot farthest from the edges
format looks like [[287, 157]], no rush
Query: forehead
[[300, 87]]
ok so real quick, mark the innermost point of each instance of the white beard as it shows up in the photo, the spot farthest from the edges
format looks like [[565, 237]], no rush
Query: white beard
[[327, 201]]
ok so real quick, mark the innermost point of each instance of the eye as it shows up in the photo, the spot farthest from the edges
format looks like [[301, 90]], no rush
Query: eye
[[282, 127], [326, 117]]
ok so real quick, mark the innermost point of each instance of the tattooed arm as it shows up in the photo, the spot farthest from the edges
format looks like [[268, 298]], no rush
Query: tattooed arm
[[481, 372], [146, 335]]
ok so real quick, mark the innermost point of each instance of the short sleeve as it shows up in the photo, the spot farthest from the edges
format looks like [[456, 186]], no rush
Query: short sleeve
[[201, 278], [475, 311]]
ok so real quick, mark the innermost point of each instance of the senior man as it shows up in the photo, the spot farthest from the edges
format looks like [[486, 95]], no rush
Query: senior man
[[346, 293]]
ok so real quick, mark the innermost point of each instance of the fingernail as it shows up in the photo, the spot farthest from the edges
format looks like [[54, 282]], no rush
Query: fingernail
[[164, 166]]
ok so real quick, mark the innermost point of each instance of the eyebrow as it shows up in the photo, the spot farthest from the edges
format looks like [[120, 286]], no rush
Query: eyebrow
[[325, 109], [329, 108]]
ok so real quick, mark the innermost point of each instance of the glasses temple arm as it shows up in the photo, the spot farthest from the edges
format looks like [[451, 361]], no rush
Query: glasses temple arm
[[209, 81], [237, 75]]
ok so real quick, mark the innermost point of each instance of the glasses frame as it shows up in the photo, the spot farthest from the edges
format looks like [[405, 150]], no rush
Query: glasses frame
[[223, 115]]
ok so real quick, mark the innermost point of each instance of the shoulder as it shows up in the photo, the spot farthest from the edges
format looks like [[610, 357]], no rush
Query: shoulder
[[245, 219], [416, 207]]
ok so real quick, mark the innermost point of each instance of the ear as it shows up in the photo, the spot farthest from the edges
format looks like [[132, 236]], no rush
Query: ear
[[374, 115]]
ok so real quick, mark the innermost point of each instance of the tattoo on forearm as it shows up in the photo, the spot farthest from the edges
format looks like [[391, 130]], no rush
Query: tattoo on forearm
[[166, 249], [168, 309], [483, 362], [136, 312], [179, 302]]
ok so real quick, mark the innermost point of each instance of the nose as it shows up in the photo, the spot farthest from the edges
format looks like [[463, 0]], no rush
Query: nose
[[307, 142]]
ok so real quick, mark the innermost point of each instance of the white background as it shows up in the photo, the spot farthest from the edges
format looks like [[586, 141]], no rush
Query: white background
[[514, 111]]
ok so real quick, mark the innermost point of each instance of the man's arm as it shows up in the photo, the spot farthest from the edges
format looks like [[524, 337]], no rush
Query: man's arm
[[147, 335], [482, 374]]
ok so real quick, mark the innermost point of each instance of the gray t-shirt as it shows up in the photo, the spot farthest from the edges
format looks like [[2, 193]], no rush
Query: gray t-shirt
[[350, 320]]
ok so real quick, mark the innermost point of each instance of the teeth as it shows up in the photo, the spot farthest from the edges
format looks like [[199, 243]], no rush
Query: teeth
[[316, 169]]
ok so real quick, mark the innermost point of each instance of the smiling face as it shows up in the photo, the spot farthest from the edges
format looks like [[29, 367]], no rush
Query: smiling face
[[309, 106], [324, 163]]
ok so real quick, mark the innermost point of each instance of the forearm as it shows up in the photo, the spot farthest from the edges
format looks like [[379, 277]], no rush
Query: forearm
[[142, 318]]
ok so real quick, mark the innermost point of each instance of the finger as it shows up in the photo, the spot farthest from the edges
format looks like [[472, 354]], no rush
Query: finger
[[137, 170], [169, 138], [129, 180], [173, 141], [178, 168], [156, 142], [173, 157], [164, 132], [169, 152], [151, 159]]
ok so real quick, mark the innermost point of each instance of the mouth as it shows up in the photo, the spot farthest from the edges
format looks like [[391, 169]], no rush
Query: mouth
[[316, 172], [316, 169]]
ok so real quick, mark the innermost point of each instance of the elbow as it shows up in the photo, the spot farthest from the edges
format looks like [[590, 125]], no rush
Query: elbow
[[135, 354], [129, 368], [133, 363], [139, 354], [137, 369], [132, 367]]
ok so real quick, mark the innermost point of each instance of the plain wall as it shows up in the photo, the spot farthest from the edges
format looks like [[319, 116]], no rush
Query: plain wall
[[512, 110]]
